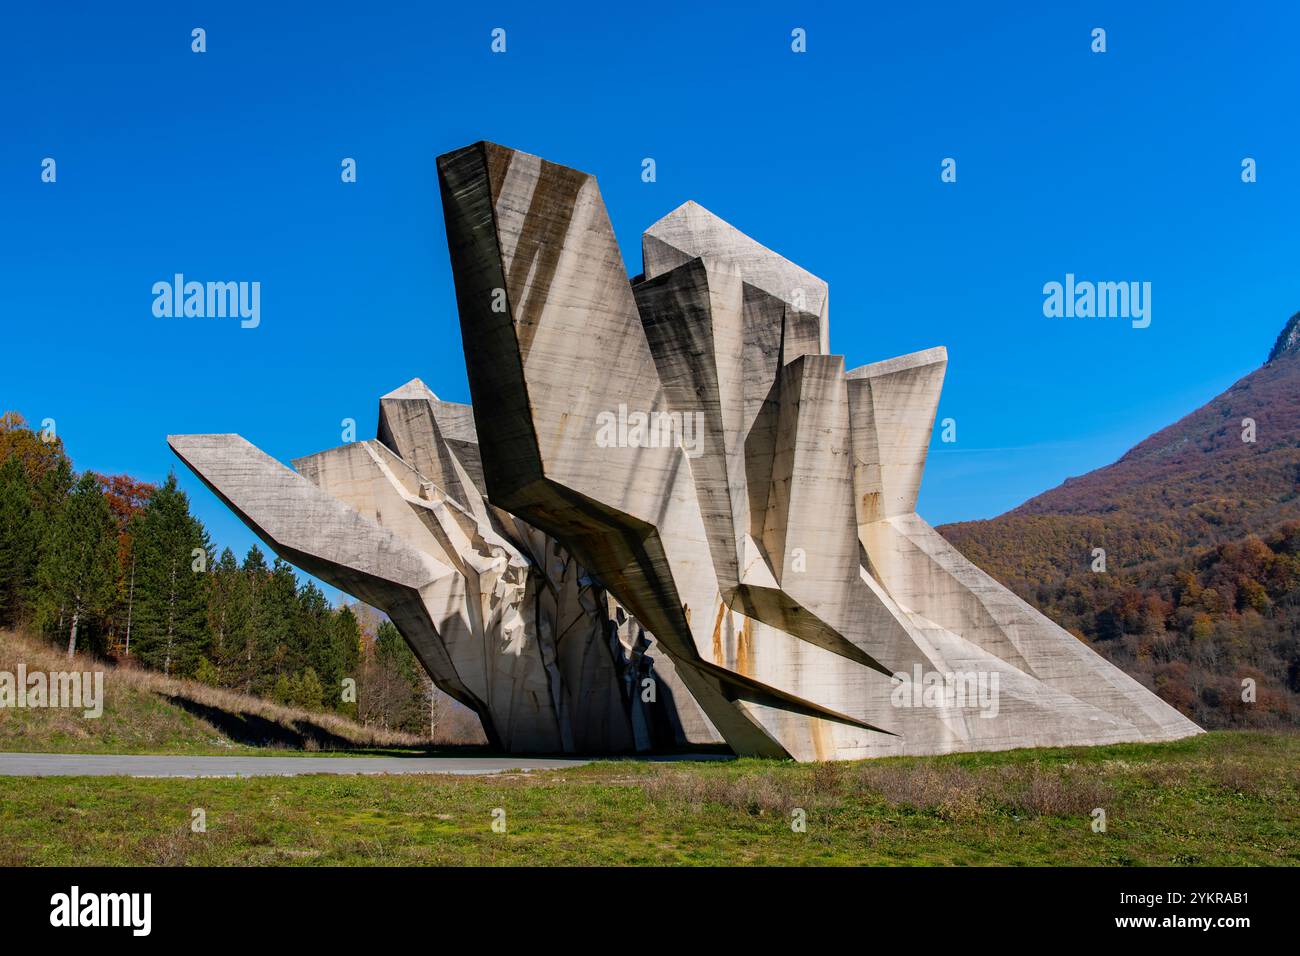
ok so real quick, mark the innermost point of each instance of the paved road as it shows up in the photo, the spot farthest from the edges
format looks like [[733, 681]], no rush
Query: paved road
[[109, 765]]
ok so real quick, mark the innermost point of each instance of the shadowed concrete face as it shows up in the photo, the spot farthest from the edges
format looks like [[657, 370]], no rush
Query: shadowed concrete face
[[502, 618], [670, 516]]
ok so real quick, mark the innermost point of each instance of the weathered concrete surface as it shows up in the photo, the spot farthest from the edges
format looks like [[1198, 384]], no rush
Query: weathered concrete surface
[[691, 231], [670, 515], [499, 614]]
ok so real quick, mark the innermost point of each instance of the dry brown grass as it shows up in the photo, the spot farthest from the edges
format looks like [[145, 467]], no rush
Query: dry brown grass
[[756, 794], [944, 789], [947, 790], [1026, 790], [229, 701]]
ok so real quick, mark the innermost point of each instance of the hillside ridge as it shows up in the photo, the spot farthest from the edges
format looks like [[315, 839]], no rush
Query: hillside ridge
[[1180, 561]]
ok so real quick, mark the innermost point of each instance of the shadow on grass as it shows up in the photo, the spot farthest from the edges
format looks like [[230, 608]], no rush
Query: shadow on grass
[[256, 731], [302, 734]]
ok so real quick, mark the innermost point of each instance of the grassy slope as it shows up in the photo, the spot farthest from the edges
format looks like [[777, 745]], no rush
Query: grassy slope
[[1222, 799], [145, 712]]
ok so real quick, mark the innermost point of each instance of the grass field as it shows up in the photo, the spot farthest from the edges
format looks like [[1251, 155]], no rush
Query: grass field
[[1228, 798]]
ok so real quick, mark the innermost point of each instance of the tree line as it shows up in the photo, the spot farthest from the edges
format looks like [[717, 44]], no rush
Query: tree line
[[121, 569]]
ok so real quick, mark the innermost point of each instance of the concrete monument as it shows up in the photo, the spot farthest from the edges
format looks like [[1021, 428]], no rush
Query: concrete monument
[[670, 516]]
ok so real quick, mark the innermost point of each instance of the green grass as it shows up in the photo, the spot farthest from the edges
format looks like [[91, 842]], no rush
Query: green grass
[[1228, 798]]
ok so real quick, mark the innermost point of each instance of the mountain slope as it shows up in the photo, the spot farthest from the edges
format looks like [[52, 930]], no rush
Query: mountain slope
[[1202, 461], [1200, 527]]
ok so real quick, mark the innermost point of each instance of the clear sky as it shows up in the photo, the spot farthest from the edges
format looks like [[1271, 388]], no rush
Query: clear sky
[[225, 165]]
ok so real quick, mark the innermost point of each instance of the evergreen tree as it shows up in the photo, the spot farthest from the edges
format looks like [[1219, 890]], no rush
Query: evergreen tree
[[172, 553], [321, 653], [308, 694], [345, 634], [278, 625], [241, 661], [224, 586], [77, 570], [20, 530], [391, 648]]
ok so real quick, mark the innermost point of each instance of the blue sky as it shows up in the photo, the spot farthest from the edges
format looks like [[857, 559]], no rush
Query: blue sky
[[225, 166]]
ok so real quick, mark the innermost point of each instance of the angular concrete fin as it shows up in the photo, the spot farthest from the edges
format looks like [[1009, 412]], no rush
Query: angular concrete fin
[[739, 687], [470, 180], [538, 271], [415, 388], [810, 535], [692, 317], [894, 404], [325, 537], [764, 323], [810, 506], [455, 421], [929, 575], [800, 335], [777, 609], [690, 230], [289, 512], [409, 426]]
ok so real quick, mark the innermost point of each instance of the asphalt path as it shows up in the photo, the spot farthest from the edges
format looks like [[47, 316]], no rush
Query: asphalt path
[[137, 765]]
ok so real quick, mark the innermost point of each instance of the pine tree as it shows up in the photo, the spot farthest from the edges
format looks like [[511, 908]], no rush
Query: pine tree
[[172, 552], [278, 615], [77, 570], [308, 693], [345, 635], [321, 653], [20, 529], [224, 587], [240, 661]]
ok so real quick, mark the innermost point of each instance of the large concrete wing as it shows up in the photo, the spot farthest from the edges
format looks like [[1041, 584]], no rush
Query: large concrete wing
[[325, 537]]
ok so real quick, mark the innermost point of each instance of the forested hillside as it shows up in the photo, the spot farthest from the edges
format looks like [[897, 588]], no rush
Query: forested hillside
[[122, 569], [1200, 529]]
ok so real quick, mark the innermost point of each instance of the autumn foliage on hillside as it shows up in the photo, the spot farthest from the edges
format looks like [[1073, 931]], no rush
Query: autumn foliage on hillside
[[1200, 529]]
